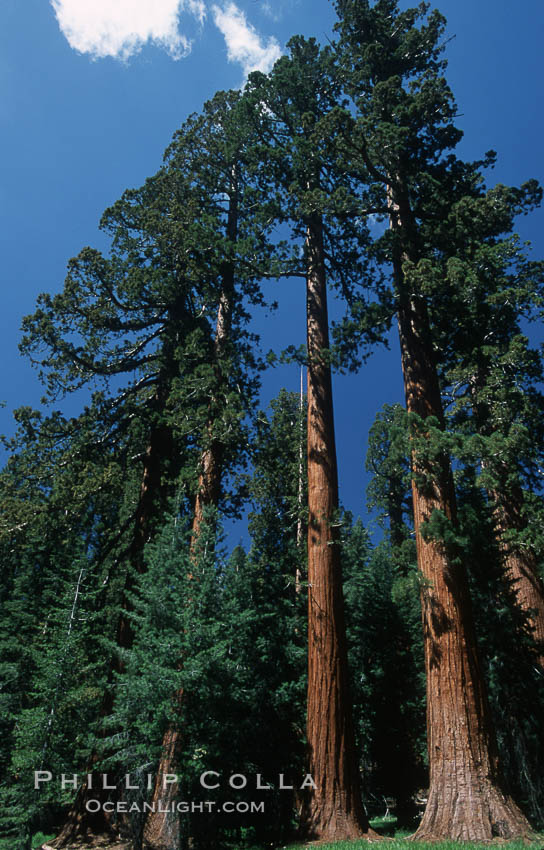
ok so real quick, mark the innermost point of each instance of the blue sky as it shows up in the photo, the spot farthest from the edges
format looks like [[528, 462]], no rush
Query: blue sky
[[92, 90]]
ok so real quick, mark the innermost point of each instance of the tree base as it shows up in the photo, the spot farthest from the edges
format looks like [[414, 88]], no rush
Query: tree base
[[160, 839], [82, 834], [84, 826], [369, 836], [478, 815], [162, 828], [320, 827]]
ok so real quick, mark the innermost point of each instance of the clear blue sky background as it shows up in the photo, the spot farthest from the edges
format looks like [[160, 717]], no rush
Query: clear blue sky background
[[77, 129]]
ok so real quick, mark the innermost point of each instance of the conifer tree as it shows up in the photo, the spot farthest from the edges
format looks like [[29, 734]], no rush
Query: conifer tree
[[492, 374], [491, 377], [401, 770], [214, 151], [242, 671], [60, 497], [139, 314], [389, 490], [405, 111], [300, 112], [278, 486], [506, 648]]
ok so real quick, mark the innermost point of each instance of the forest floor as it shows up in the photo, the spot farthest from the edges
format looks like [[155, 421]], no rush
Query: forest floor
[[400, 843], [386, 826], [394, 844]]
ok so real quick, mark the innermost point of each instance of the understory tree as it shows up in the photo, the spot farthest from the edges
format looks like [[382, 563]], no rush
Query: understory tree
[[63, 492], [396, 668]]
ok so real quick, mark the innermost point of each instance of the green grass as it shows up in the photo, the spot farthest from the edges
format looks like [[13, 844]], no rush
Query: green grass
[[383, 825], [387, 828], [400, 844]]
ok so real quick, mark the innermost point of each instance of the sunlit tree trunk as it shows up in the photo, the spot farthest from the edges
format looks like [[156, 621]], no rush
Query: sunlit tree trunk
[[333, 811], [300, 494], [466, 799]]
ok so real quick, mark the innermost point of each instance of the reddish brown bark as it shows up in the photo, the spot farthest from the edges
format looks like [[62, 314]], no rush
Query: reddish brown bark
[[520, 565], [152, 497], [161, 831], [521, 568], [466, 799], [211, 460], [80, 823], [300, 495], [333, 811]]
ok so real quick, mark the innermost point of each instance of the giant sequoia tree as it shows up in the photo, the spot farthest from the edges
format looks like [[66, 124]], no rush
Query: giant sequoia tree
[[491, 377], [104, 314], [300, 119], [405, 113], [492, 374], [213, 151], [142, 315]]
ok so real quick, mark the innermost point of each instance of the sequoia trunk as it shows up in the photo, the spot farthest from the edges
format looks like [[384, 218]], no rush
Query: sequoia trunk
[[466, 799], [520, 565], [161, 831], [507, 500], [333, 811], [300, 494]]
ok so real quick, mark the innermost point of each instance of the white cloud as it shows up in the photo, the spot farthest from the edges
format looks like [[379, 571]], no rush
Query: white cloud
[[244, 44], [120, 28]]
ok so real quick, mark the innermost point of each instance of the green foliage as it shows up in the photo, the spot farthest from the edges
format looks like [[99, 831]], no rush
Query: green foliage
[[303, 122], [397, 844], [53, 683], [397, 693], [217, 633], [278, 486], [515, 681]]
